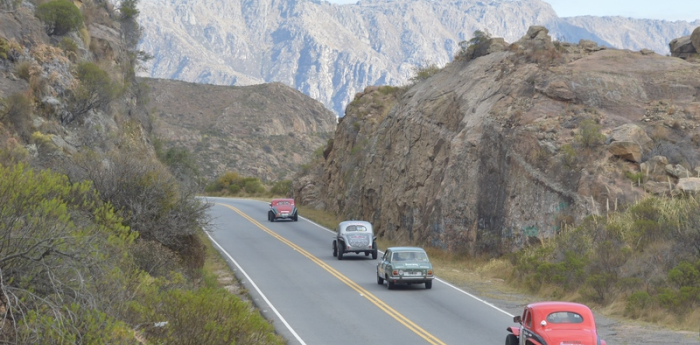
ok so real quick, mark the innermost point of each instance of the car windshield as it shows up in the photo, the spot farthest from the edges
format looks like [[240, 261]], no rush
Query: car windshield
[[353, 228], [410, 256], [564, 317]]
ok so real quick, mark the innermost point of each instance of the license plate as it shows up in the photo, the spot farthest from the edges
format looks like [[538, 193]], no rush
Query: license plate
[[413, 273]]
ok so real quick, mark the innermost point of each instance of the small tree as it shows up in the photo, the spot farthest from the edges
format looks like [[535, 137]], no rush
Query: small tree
[[424, 72], [96, 89], [60, 16], [589, 134], [474, 47]]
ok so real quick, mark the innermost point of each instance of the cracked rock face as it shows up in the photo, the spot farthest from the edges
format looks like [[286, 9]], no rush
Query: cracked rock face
[[485, 157]]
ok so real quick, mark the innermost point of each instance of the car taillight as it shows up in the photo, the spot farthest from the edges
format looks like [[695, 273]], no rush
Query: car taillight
[[395, 273], [370, 246], [348, 246], [430, 272]]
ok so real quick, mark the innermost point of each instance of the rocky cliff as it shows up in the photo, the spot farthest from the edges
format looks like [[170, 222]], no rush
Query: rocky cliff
[[265, 130], [514, 146], [330, 52]]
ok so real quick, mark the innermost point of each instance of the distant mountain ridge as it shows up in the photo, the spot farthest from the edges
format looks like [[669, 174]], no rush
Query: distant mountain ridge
[[330, 52]]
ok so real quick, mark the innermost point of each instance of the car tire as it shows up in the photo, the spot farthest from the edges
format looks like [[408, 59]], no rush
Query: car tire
[[296, 217], [340, 253], [335, 249], [380, 280], [374, 253], [429, 284], [511, 339], [390, 285]]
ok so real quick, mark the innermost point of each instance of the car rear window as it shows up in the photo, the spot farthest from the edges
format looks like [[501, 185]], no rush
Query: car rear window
[[283, 203], [564, 317], [355, 228], [410, 256]]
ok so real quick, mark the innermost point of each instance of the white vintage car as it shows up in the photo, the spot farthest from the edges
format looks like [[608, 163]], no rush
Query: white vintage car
[[354, 236]]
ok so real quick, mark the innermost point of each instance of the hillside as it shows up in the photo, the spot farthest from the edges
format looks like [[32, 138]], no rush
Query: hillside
[[266, 131], [330, 52], [491, 152]]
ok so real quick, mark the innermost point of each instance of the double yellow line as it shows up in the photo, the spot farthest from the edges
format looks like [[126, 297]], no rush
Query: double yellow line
[[376, 301]]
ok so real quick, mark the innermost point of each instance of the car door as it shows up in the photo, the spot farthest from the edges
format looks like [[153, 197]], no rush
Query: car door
[[526, 329], [383, 263]]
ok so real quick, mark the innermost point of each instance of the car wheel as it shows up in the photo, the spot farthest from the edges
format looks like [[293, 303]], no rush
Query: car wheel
[[380, 280], [296, 217], [374, 253], [511, 339], [390, 285], [335, 249], [429, 284], [340, 253]]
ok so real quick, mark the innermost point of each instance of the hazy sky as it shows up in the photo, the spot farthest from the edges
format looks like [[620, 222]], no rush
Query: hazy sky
[[653, 9]]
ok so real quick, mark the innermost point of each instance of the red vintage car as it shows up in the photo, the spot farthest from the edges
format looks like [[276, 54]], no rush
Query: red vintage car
[[282, 209], [554, 323]]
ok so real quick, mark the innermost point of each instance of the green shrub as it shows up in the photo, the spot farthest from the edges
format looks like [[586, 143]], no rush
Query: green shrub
[[589, 134], [281, 188], [23, 70], [234, 189], [424, 72], [205, 316], [636, 303], [473, 48], [129, 9], [69, 46], [96, 90], [17, 111], [253, 186], [635, 177], [685, 274], [59, 16], [4, 48]]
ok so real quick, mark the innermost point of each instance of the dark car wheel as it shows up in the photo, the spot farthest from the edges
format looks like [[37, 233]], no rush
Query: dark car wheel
[[374, 253], [380, 280], [511, 339], [390, 285], [429, 284], [335, 249], [296, 217], [340, 253]]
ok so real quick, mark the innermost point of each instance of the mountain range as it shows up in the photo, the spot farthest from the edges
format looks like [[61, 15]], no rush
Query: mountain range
[[331, 52]]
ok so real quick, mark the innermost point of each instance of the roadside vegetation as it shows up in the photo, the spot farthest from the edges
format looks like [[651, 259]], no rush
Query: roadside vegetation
[[235, 185], [642, 263], [104, 244]]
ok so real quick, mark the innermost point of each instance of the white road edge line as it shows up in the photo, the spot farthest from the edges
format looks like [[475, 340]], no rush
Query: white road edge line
[[258, 290], [436, 278]]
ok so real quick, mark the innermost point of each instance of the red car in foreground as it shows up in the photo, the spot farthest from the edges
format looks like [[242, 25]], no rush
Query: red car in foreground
[[554, 323], [282, 209]]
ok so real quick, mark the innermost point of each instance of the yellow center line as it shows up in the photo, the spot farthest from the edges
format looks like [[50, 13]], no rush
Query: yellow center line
[[376, 301]]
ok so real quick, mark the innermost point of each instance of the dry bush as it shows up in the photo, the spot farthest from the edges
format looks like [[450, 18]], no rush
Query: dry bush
[[22, 70], [17, 111]]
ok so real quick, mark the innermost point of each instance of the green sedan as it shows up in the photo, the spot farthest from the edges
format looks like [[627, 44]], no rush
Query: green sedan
[[405, 265]]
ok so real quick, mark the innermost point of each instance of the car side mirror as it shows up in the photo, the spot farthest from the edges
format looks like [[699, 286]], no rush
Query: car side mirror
[[518, 319], [270, 204]]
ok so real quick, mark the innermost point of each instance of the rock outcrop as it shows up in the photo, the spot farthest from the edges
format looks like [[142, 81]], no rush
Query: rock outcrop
[[683, 48], [489, 154]]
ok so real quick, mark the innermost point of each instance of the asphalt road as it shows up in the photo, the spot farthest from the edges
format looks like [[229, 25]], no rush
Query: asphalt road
[[313, 298]]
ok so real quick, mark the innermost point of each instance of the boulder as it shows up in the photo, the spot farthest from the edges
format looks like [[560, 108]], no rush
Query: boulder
[[633, 133], [560, 91], [628, 150], [655, 169], [682, 47], [536, 38], [497, 44], [695, 39], [647, 52], [678, 171], [689, 184], [658, 188]]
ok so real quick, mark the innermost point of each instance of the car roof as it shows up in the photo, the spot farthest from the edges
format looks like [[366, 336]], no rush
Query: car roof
[[284, 199], [355, 222], [551, 306], [405, 249]]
